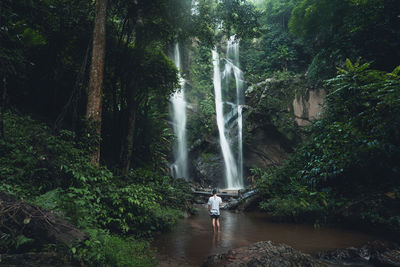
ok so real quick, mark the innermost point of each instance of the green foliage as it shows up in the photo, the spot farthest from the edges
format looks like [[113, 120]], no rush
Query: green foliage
[[49, 200], [37, 161], [200, 93], [105, 249], [14, 243], [322, 66], [227, 17], [93, 198], [238, 17], [173, 192], [349, 165], [338, 29], [136, 208], [275, 49]]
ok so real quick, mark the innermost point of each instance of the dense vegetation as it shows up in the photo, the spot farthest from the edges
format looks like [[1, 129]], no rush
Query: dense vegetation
[[344, 166], [54, 173], [44, 54], [346, 169]]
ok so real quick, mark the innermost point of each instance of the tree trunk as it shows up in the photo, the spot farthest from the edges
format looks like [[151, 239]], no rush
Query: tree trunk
[[134, 99], [3, 108], [127, 149], [93, 111]]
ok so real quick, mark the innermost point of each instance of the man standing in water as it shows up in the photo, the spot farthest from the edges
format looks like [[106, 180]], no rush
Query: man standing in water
[[214, 202]]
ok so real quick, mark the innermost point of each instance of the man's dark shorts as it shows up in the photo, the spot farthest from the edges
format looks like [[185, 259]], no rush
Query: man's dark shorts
[[213, 216]]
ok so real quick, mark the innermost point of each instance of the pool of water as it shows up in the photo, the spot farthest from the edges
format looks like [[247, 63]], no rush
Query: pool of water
[[192, 240]]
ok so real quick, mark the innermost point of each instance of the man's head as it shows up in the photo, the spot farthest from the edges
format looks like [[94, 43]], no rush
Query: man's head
[[214, 191]]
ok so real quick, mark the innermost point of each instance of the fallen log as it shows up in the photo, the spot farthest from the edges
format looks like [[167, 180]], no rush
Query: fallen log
[[18, 217], [34, 259]]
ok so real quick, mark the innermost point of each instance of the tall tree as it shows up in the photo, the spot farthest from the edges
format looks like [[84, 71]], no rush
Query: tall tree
[[93, 111]]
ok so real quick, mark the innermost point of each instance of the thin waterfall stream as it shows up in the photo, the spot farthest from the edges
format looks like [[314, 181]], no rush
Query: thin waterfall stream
[[179, 169]]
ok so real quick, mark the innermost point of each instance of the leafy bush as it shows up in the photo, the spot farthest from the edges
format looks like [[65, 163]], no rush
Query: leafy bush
[[136, 208], [37, 161], [105, 249], [174, 193]]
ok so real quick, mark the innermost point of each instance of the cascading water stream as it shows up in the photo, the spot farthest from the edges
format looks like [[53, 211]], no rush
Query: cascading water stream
[[229, 160], [179, 169], [233, 55], [233, 168]]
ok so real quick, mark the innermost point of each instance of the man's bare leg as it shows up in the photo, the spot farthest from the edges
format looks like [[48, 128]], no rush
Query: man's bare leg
[[213, 224], [218, 224]]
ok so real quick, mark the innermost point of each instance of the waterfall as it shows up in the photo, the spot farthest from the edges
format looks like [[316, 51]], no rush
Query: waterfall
[[233, 168], [179, 169], [233, 56], [230, 164]]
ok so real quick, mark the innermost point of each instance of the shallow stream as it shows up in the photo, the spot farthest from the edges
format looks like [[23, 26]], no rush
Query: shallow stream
[[192, 239]]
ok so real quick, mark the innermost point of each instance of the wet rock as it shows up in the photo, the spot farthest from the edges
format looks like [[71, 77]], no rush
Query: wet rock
[[248, 204], [209, 169], [376, 253], [248, 194], [264, 253], [231, 205], [388, 258], [245, 202]]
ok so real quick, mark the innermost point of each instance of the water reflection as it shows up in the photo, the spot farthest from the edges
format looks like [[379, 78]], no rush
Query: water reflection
[[216, 239], [193, 240]]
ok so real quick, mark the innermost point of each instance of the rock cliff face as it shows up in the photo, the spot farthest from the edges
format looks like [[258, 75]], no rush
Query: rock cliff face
[[209, 169], [277, 109], [206, 163], [306, 109], [266, 146], [275, 112]]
